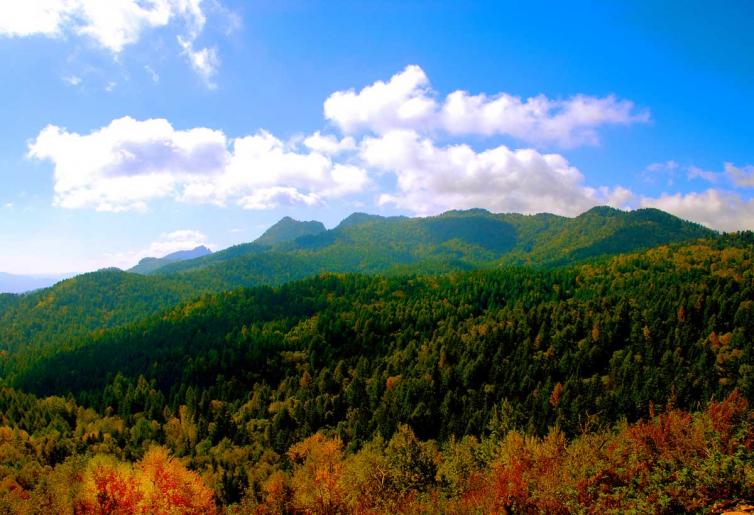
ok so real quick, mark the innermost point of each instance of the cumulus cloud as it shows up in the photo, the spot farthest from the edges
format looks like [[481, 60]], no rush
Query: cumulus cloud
[[716, 209], [407, 101], [45, 17], [268, 198], [329, 144], [432, 178], [128, 163], [111, 24]]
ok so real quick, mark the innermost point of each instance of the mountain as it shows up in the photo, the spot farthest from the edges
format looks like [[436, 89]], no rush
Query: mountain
[[11, 283], [501, 328], [150, 264], [520, 359], [543, 388], [454, 240], [42, 321], [288, 229]]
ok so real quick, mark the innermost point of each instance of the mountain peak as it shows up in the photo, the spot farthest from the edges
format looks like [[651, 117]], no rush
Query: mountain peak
[[288, 229], [181, 255], [605, 211], [357, 219]]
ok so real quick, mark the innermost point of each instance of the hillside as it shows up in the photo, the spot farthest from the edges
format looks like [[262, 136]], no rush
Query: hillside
[[663, 305], [53, 318], [457, 240], [457, 357]]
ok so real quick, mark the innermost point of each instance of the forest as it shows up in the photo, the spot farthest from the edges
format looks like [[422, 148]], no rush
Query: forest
[[608, 385]]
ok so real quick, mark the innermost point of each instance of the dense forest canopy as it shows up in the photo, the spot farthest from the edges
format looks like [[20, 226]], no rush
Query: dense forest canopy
[[457, 240], [589, 380]]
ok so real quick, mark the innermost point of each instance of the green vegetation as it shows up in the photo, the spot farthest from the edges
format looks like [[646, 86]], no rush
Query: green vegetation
[[55, 318], [487, 385], [288, 229]]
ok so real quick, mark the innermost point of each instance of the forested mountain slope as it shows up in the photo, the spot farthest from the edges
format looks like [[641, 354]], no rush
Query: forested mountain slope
[[365, 353], [32, 324], [51, 318], [288, 229], [459, 240], [476, 391]]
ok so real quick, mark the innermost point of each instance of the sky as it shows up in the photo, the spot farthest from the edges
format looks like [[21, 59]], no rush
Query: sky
[[133, 128]]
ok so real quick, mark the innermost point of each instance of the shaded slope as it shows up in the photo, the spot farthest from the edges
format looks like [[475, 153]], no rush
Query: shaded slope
[[673, 322]]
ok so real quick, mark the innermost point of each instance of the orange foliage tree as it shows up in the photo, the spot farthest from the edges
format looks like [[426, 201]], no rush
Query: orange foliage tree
[[158, 484]]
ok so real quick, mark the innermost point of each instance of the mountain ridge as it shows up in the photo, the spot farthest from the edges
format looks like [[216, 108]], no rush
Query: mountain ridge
[[458, 240], [287, 229], [150, 264]]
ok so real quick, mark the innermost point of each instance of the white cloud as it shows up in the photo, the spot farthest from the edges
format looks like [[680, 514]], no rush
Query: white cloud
[[72, 80], [182, 239], [717, 209], [328, 144], [694, 172], [431, 179], [152, 74], [111, 24], [671, 170], [27, 18], [406, 101], [742, 177], [268, 198], [204, 61], [129, 163], [663, 166]]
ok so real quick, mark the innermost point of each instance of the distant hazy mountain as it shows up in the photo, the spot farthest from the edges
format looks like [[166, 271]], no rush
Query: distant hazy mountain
[[150, 264], [288, 229], [11, 283]]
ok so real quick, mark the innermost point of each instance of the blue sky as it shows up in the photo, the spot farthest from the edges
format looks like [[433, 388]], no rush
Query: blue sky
[[150, 126]]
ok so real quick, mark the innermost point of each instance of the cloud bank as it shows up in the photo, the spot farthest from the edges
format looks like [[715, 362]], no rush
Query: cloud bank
[[407, 101], [386, 147], [128, 163]]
